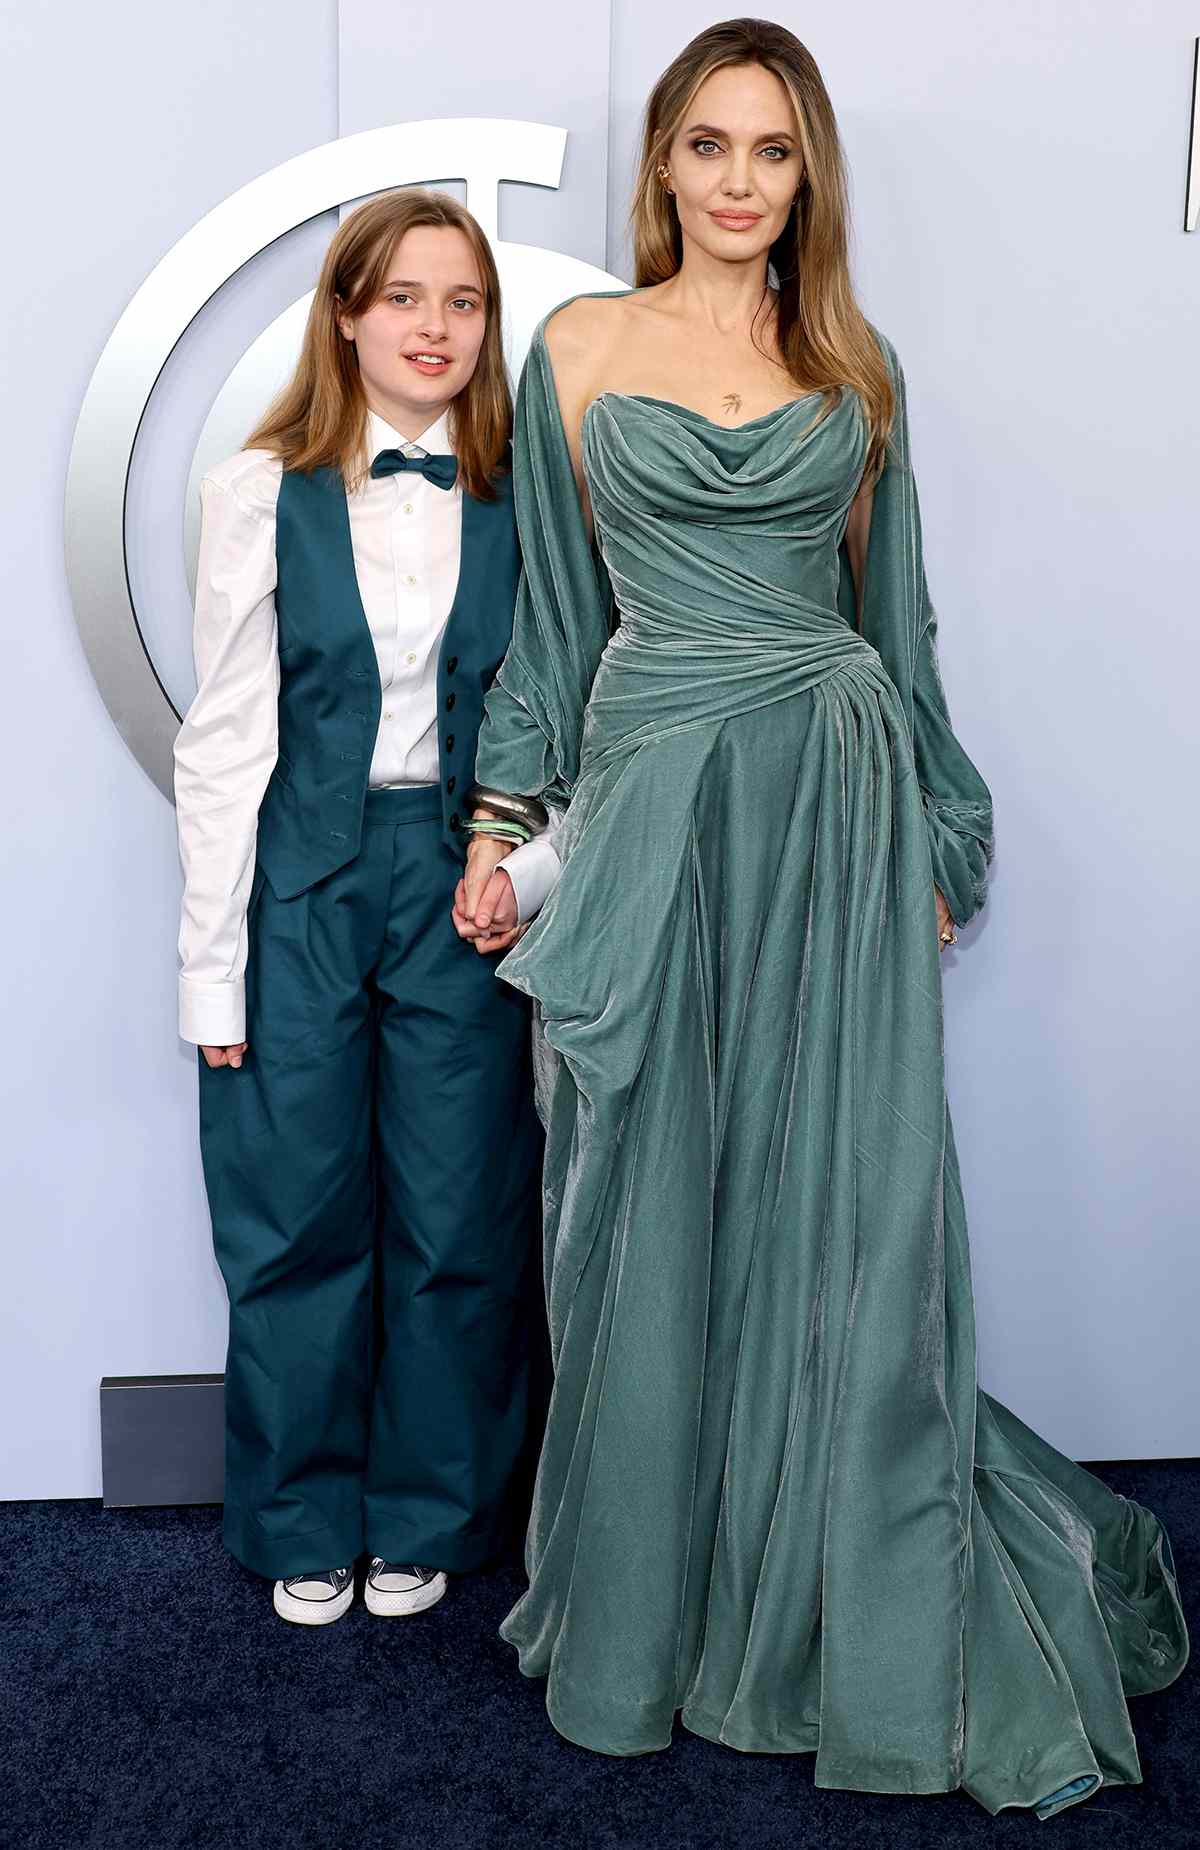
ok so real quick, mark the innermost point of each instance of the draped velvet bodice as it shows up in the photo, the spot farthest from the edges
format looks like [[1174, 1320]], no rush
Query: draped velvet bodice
[[784, 481], [721, 545], [676, 498]]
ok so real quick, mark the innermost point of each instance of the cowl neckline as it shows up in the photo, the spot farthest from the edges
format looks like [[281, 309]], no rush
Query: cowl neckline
[[680, 457]]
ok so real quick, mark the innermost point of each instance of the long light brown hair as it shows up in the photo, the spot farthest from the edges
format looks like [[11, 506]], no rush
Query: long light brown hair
[[823, 337], [320, 417]]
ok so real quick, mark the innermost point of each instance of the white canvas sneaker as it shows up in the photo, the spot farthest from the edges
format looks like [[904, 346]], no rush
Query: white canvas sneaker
[[393, 1591], [317, 1598]]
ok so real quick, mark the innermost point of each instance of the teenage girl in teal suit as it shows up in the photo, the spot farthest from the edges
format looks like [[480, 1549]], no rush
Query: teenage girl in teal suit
[[370, 1145]]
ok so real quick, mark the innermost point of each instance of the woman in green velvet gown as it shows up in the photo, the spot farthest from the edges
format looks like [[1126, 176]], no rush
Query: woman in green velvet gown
[[771, 1496]]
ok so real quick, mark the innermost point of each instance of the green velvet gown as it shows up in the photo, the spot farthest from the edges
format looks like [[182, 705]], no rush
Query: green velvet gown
[[771, 1496]]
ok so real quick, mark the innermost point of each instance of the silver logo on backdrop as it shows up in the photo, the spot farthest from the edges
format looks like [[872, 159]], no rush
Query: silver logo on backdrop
[[476, 150]]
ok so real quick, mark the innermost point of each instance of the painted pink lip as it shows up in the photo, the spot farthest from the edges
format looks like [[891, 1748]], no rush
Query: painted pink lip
[[424, 365], [736, 221]]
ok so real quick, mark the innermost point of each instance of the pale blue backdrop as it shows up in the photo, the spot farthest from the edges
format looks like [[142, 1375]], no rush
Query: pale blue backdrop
[[1018, 185]]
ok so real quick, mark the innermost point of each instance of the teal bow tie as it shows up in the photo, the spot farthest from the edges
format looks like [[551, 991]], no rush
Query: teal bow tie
[[442, 471]]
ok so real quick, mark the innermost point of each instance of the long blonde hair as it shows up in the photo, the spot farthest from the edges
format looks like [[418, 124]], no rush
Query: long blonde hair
[[320, 416], [823, 337]]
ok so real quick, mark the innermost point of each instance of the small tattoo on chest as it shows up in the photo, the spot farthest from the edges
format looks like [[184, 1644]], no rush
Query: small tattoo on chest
[[732, 403]]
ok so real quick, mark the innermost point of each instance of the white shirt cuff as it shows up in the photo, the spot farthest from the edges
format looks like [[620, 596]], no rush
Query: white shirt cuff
[[533, 869], [212, 1014]]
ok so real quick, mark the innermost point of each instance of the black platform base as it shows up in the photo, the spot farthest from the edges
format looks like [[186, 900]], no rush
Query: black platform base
[[162, 1440]]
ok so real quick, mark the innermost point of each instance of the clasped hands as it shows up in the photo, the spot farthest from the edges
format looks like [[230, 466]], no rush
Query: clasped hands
[[485, 902]]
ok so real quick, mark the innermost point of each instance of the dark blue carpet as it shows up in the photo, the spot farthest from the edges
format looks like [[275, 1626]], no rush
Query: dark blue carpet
[[150, 1700]]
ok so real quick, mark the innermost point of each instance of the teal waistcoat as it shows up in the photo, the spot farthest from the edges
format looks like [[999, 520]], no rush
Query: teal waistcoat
[[330, 698]]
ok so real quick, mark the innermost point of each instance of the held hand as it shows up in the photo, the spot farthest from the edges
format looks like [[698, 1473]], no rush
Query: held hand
[[493, 927], [945, 924], [484, 855], [225, 1056], [485, 904]]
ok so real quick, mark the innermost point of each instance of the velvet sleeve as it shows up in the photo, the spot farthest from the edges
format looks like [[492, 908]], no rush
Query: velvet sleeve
[[897, 616], [532, 728]]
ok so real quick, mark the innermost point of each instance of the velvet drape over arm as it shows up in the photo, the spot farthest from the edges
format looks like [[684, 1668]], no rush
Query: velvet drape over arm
[[898, 619], [529, 741]]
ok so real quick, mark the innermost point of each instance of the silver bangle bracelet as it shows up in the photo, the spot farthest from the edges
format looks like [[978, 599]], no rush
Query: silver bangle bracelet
[[526, 809]]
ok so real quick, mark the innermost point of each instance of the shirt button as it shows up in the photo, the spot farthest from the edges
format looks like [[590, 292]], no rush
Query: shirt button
[[410, 580], [410, 658], [408, 507], [387, 716]]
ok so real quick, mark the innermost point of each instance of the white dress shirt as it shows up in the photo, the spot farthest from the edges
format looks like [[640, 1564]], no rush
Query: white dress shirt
[[406, 534]]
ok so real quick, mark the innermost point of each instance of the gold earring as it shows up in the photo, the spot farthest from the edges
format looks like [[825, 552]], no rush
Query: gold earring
[[664, 173]]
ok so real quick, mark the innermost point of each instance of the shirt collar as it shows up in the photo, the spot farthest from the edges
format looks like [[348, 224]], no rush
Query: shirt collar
[[435, 440]]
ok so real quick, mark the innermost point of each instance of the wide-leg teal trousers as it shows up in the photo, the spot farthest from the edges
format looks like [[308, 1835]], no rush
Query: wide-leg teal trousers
[[373, 1176]]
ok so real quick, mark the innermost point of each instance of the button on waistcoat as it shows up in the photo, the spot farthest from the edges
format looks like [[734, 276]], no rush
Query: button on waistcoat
[[330, 698]]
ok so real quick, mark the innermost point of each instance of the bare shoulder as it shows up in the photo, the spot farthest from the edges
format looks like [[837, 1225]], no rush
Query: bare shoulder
[[580, 335]]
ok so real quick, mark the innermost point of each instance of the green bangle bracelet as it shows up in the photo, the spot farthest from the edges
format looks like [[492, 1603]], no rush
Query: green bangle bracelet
[[499, 831]]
